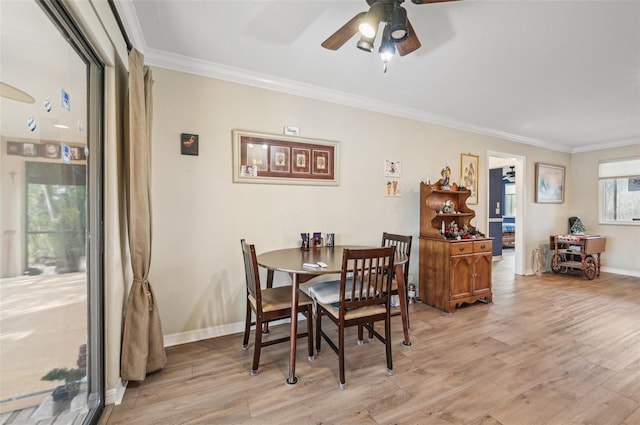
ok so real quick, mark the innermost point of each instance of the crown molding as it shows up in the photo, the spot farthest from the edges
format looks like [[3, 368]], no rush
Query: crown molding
[[236, 75]]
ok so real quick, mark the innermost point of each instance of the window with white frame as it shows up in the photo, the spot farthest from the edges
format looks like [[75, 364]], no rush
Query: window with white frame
[[619, 193]]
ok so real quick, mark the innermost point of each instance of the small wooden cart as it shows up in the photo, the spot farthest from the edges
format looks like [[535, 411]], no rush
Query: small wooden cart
[[577, 252]]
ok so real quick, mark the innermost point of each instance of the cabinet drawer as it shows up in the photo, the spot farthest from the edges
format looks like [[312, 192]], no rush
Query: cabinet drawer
[[460, 248], [482, 246]]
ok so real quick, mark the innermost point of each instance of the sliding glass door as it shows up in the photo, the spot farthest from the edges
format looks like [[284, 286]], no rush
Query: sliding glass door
[[51, 315]]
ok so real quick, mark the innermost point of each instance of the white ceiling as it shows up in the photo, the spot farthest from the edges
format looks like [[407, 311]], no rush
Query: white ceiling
[[37, 59], [558, 74]]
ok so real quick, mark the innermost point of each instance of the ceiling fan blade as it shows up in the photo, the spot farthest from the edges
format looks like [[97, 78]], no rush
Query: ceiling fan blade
[[411, 43], [348, 30], [14, 93], [430, 1]]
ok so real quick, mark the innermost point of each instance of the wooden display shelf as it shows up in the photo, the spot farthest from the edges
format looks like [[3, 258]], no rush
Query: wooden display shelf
[[452, 271], [432, 199]]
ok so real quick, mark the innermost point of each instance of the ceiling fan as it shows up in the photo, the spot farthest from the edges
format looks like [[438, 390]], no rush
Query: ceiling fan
[[398, 34], [511, 173]]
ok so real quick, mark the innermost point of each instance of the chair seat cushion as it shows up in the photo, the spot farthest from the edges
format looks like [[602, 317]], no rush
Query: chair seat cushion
[[355, 313], [329, 292], [279, 298], [325, 292]]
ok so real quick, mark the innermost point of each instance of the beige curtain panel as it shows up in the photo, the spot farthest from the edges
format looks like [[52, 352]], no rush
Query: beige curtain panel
[[142, 344]]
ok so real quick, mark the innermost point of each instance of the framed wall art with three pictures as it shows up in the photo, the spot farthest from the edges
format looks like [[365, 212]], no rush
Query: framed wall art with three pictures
[[275, 159]]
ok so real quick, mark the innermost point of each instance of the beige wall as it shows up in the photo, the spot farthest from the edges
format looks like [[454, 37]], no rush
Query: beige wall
[[623, 242], [200, 215]]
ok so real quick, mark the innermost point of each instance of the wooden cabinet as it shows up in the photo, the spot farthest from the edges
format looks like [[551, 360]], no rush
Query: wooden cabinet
[[455, 267]]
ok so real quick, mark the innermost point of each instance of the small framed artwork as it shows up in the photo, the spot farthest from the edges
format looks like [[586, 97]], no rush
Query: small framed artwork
[[29, 149], [258, 157], [469, 175], [280, 159], [189, 144], [14, 148], [51, 150], [77, 154], [392, 168], [276, 159], [301, 160], [392, 187], [320, 162], [549, 183]]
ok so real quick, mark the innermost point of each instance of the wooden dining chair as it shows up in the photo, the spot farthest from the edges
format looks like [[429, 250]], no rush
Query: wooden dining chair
[[363, 299], [269, 304], [402, 244]]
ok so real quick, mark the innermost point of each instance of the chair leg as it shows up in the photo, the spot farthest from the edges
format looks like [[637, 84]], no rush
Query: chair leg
[[360, 335], [310, 330], [387, 343], [247, 327], [318, 329], [343, 383], [257, 347]]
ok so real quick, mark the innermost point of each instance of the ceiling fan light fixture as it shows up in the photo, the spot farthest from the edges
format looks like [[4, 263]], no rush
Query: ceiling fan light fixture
[[369, 25], [387, 46], [399, 29], [365, 44]]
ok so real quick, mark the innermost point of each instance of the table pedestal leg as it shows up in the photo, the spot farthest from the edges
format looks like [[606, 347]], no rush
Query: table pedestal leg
[[404, 312], [292, 379]]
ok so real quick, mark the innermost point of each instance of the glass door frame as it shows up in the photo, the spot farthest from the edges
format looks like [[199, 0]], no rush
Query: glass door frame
[[58, 13]]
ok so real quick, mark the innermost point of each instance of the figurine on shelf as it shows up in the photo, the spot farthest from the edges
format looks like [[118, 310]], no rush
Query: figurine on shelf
[[447, 208], [454, 232], [446, 175]]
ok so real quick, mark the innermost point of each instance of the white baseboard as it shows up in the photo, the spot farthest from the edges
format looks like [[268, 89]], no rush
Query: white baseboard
[[115, 395], [620, 271], [213, 332]]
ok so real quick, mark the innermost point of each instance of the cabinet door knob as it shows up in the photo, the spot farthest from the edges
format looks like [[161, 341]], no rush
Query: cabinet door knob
[[461, 249], [483, 246]]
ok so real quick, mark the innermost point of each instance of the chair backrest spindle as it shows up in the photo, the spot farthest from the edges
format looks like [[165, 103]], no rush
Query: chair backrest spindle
[[370, 285], [402, 245]]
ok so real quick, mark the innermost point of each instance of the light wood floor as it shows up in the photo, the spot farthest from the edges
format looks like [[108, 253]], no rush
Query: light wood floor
[[552, 350]]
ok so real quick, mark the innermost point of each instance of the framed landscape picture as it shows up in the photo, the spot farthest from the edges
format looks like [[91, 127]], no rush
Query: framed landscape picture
[[549, 183]]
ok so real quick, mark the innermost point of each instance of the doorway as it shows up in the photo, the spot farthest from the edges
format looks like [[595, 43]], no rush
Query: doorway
[[51, 320], [511, 169]]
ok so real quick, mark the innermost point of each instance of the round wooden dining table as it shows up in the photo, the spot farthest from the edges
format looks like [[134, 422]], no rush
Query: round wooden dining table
[[293, 260]]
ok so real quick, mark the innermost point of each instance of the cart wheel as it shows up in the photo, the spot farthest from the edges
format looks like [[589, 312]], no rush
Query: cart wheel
[[590, 269], [555, 263]]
